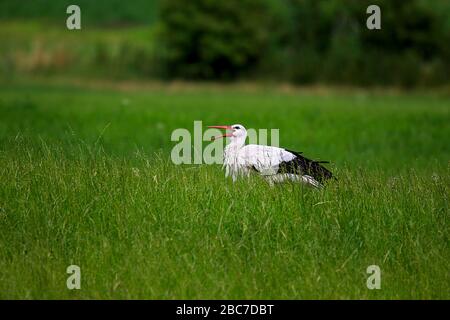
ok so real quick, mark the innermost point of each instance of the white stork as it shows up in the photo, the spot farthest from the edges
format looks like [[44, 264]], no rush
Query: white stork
[[275, 164]]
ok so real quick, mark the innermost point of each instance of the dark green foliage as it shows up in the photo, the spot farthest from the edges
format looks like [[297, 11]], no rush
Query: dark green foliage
[[307, 41], [330, 43], [208, 39], [97, 12]]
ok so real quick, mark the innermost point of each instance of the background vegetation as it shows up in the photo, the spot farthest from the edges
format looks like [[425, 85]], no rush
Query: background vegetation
[[299, 41]]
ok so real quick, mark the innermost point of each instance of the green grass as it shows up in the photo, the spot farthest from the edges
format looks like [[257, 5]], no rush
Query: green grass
[[86, 179]]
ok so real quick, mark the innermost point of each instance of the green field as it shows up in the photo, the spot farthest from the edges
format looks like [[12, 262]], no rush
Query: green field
[[86, 179]]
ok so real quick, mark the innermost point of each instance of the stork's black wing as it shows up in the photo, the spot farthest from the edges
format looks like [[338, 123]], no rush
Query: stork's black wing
[[305, 166]]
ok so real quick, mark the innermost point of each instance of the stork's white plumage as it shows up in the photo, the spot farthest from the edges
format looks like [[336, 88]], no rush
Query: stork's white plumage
[[275, 164]]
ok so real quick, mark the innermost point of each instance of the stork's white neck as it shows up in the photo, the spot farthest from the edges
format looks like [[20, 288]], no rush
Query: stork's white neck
[[231, 162], [235, 144]]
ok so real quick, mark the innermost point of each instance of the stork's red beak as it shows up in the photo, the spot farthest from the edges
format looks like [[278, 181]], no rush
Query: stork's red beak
[[223, 135]]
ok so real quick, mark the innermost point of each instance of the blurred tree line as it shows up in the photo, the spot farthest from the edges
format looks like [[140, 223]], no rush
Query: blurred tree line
[[300, 41], [307, 41]]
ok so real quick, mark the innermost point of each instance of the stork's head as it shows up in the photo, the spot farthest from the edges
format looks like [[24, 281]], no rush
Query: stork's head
[[235, 132]]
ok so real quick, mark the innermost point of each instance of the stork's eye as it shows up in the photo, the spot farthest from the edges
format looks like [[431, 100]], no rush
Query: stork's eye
[[236, 127]]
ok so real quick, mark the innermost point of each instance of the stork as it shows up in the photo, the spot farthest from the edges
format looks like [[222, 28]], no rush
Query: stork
[[275, 164]]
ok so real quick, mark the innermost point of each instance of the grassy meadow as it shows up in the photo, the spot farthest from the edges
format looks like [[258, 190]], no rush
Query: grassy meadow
[[86, 179]]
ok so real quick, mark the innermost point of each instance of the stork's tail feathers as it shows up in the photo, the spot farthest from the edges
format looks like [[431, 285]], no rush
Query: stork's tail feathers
[[309, 167]]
